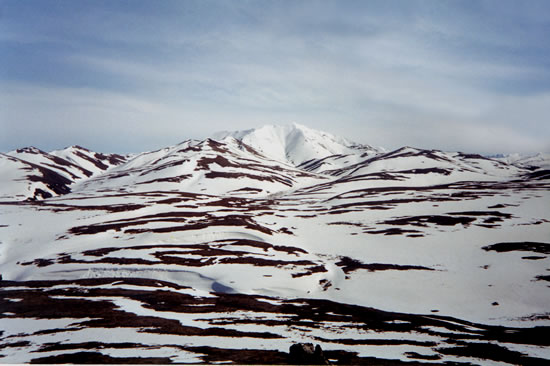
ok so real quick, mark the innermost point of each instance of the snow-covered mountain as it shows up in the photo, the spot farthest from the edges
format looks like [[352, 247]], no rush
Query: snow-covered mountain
[[296, 144], [540, 160], [233, 248], [267, 160], [216, 167], [30, 173]]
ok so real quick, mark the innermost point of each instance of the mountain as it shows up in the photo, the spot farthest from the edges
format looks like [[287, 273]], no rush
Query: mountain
[[540, 160], [30, 173], [296, 144], [93, 162], [220, 167], [233, 248]]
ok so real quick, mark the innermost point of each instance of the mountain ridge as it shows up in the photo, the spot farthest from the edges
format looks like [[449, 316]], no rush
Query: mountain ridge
[[294, 152], [214, 251]]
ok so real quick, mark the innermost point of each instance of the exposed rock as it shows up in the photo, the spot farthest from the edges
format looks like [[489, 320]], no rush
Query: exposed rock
[[306, 354]]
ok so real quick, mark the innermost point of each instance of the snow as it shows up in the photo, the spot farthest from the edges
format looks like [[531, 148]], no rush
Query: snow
[[294, 143], [330, 208], [541, 160]]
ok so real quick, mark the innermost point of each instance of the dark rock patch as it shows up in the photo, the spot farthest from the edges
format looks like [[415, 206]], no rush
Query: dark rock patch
[[247, 190], [525, 246], [230, 175], [422, 221], [425, 171], [97, 358], [310, 270], [539, 174], [493, 352], [349, 265], [418, 356], [306, 354], [395, 231], [40, 194], [15, 344], [176, 179], [211, 355], [58, 346]]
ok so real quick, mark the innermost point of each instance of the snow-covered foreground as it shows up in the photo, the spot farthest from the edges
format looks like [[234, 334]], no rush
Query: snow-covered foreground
[[211, 251]]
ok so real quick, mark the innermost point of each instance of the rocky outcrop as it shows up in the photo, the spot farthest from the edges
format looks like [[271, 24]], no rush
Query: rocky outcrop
[[306, 354]]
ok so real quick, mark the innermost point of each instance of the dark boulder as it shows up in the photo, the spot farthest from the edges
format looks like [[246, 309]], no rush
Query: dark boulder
[[306, 354]]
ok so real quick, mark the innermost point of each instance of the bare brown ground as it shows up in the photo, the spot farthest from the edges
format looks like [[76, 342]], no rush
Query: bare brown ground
[[78, 299]]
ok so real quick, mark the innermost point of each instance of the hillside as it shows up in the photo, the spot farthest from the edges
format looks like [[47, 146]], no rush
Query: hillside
[[233, 248]]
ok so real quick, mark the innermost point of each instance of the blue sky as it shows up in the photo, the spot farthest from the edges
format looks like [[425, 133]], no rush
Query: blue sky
[[128, 76]]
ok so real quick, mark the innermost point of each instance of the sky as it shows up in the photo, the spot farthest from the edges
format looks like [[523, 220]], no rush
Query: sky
[[132, 76]]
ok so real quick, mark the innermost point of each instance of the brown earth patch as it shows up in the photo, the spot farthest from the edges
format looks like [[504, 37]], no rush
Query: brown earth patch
[[349, 265], [526, 246], [79, 298]]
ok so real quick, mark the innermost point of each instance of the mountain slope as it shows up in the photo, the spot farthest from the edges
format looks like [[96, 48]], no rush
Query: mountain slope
[[215, 167], [30, 173], [295, 144], [540, 160], [22, 180], [93, 162], [211, 251]]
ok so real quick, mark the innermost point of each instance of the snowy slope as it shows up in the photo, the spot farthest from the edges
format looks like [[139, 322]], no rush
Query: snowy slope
[[540, 160], [295, 144], [21, 179], [30, 173], [215, 167], [214, 251], [93, 162]]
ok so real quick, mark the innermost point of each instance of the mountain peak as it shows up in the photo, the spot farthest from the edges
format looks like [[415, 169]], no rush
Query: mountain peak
[[293, 143]]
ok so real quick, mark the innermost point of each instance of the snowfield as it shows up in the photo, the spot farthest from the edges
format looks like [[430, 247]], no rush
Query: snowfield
[[233, 248]]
